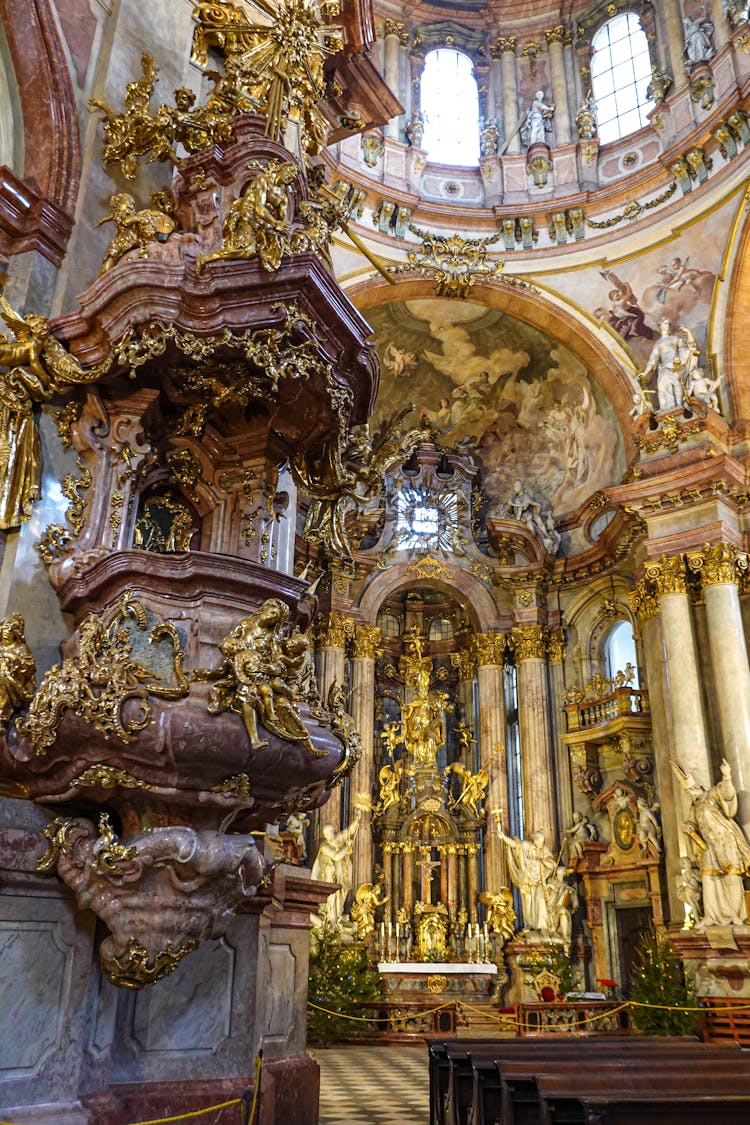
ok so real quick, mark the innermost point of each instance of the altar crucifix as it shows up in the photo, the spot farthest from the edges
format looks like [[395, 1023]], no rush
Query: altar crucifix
[[428, 865]]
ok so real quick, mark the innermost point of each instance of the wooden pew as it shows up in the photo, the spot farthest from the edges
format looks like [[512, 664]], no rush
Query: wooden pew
[[468, 1093], [691, 1095], [519, 1077]]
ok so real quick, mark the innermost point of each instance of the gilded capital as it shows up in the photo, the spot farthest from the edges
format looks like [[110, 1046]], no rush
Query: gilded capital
[[555, 34], [530, 642], [667, 575], [489, 648], [393, 27], [720, 563], [505, 44], [557, 646], [644, 601], [367, 641], [463, 660], [334, 630]]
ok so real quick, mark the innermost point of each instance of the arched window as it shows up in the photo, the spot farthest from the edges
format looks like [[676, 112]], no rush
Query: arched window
[[620, 74], [618, 650], [441, 629], [450, 105], [388, 624]]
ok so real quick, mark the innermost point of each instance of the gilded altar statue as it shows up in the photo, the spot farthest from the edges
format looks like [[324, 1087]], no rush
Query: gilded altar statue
[[499, 912], [259, 676], [390, 785], [17, 668], [257, 223], [473, 788], [39, 367], [423, 721], [432, 929], [362, 910], [134, 229]]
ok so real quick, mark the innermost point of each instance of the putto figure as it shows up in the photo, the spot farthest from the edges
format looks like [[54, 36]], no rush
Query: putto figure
[[259, 675]]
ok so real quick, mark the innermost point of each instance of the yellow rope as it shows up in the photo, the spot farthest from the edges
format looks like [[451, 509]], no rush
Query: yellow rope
[[185, 1116]]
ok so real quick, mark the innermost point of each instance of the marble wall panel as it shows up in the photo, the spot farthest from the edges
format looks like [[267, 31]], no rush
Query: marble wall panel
[[198, 1022], [191, 1010]]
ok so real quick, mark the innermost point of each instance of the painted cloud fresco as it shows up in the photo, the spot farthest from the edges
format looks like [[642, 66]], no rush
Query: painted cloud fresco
[[529, 403]]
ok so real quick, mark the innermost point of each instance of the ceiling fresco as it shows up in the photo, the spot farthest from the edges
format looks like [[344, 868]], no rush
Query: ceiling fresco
[[525, 403]]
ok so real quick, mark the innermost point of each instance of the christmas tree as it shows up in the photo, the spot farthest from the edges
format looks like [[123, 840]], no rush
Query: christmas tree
[[341, 980], [659, 979]]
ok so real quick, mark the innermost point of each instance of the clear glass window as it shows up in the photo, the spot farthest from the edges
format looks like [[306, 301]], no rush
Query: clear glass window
[[450, 104], [388, 625], [619, 650], [426, 521], [620, 74], [441, 629]]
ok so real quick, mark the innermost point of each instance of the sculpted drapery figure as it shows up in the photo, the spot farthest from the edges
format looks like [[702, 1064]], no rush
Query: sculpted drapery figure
[[258, 678], [530, 863], [562, 901], [17, 668], [698, 47], [721, 850], [538, 118], [362, 910], [473, 788], [333, 864], [499, 912], [581, 831], [39, 367], [673, 358]]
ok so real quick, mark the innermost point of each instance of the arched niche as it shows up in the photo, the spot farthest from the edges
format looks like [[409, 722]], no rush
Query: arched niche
[[472, 594], [736, 366]]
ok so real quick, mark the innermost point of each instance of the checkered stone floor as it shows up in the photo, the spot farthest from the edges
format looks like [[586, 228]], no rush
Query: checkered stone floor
[[373, 1085]]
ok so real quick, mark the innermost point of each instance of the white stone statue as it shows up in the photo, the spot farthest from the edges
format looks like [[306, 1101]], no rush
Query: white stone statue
[[562, 902], [333, 864], [698, 47], [672, 358], [701, 387], [296, 823], [538, 118], [649, 829], [581, 831], [735, 11], [530, 863], [720, 848], [688, 887], [523, 507]]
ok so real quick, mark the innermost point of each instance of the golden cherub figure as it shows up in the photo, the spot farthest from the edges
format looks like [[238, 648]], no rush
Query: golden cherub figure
[[258, 678], [39, 367], [473, 788], [135, 229], [257, 224], [390, 784], [499, 912]]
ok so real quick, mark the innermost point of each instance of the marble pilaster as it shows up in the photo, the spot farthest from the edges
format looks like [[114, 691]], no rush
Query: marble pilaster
[[333, 633], [562, 755], [394, 34], [672, 16], [720, 568], [656, 681], [537, 758], [554, 37], [667, 578], [507, 47], [366, 641], [489, 649]]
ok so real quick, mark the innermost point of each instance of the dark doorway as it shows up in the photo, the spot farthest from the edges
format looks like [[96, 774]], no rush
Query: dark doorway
[[632, 921]]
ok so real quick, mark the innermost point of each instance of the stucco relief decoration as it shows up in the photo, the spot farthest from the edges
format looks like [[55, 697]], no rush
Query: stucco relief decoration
[[484, 380]]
